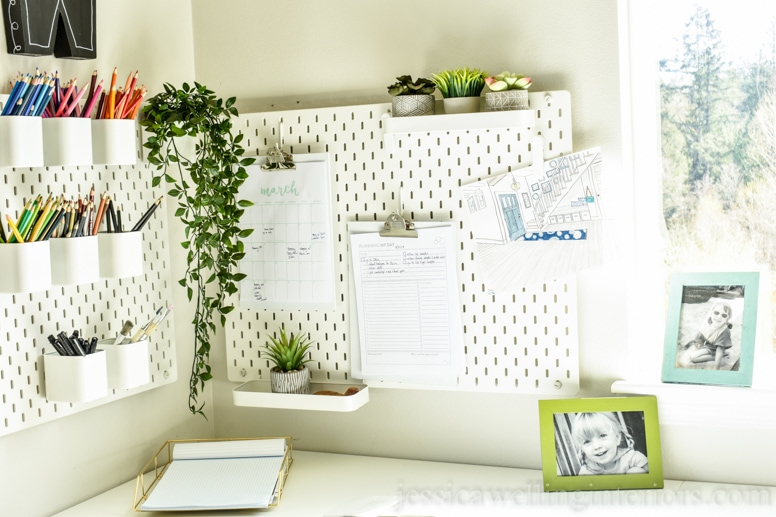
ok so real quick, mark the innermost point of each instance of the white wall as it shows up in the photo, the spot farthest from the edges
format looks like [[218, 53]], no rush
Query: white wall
[[301, 54], [289, 55], [52, 466], [297, 54]]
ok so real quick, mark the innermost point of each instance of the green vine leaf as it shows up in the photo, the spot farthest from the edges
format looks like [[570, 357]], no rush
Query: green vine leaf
[[206, 185]]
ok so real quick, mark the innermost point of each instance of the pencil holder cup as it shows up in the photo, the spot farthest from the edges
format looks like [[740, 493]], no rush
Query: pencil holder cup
[[74, 260], [26, 267], [120, 254], [114, 142], [21, 141], [67, 141], [128, 364], [75, 378]]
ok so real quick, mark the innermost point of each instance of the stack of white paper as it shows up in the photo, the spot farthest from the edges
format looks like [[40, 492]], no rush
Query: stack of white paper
[[219, 475]]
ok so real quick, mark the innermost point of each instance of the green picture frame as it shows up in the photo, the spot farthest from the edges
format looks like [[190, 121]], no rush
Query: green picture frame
[[622, 431], [711, 328]]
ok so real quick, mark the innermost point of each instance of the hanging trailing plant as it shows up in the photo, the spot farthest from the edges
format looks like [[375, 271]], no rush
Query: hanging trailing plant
[[205, 185]]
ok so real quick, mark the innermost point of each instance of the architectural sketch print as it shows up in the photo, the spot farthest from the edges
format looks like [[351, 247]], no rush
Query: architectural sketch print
[[532, 225]]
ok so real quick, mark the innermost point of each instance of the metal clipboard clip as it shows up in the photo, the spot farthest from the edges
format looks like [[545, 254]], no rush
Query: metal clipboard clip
[[277, 159], [398, 226]]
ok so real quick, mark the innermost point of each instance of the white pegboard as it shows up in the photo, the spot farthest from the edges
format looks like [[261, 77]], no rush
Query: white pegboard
[[96, 309], [514, 342]]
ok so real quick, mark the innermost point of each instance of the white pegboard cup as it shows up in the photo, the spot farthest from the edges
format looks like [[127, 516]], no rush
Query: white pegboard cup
[[75, 378], [120, 254], [67, 141], [74, 260], [26, 267], [21, 141], [114, 142], [128, 364]]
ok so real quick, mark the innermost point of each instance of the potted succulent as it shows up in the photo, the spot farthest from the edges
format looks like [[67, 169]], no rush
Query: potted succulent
[[508, 91], [412, 98], [460, 89], [289, 354]]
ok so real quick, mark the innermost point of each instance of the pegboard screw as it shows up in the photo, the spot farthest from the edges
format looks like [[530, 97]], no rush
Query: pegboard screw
[[243, 372], [166, 374], [558, 385], [548, 99]]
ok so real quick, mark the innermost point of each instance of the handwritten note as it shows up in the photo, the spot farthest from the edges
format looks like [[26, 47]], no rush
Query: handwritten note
[[288, 258], [407, 304]]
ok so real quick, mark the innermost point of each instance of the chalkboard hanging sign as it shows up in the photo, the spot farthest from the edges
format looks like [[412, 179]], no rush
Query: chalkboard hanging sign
[[65, 28]]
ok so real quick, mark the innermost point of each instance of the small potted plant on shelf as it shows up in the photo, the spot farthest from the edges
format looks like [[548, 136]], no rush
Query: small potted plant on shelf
[[412, 98], [508, 91], [460, 89], [289, 354]]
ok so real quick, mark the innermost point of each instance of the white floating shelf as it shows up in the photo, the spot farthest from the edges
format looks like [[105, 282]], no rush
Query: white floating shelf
[[459, 121], [258, 394]]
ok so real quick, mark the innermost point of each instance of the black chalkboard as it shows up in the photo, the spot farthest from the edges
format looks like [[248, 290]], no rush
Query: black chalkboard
[[65, 28]]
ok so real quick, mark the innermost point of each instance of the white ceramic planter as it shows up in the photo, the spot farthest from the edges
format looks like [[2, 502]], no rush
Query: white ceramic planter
[[461, 104]]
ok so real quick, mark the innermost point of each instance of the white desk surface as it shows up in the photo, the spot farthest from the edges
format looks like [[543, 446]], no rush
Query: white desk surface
[[323, 484]]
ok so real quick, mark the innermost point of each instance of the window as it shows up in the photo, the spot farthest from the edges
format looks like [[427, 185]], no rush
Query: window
[[699, 88]]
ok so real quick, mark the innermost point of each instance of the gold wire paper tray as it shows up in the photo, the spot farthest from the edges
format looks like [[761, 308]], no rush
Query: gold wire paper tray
[[154, 470]]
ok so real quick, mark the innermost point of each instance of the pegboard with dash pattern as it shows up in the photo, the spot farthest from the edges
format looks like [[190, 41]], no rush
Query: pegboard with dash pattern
[[524, 342], [96, 309]]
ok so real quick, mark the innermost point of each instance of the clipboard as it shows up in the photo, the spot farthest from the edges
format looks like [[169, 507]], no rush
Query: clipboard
[[387, 237], [289, 257]]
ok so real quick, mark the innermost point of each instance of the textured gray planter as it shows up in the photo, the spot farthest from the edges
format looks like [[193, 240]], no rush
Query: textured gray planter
[[412, 105], [296, 381], [507, 100]]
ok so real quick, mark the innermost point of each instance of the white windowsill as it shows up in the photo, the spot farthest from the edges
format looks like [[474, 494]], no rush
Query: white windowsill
[[718, 406]]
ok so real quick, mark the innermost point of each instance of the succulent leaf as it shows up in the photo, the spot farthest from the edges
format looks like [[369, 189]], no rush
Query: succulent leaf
[[508, 81], [287, 352]]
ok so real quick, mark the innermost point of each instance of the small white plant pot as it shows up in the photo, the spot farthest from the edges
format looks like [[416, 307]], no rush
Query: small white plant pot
[[461, 104], [114, 142], [74, 260], [120, 254], [508, 100], [128, 364], [412, 105], [67, 141], [26, 267], [75, 378], [297, 381], [21, 141]]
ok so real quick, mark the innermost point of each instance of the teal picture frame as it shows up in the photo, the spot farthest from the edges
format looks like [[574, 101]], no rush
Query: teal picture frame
[[565, 425], [697, 352]]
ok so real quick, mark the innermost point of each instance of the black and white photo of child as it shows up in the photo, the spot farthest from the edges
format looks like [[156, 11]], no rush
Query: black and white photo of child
[[600, 443], [710, 328]]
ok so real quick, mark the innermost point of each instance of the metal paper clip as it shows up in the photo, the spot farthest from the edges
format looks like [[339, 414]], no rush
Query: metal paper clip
[[277, 159], [397, 226]]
